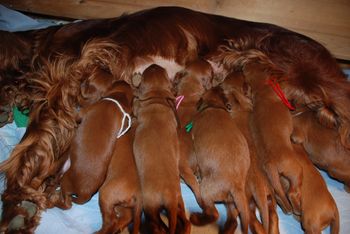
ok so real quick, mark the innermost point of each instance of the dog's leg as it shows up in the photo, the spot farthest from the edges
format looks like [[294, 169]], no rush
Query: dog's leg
[[183, 224], [231, 221], [154, 222], [273, 217], [255, 226], [274, 178], [137, 216]]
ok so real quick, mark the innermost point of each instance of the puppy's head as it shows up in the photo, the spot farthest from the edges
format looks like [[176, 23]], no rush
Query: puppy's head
[[153, 81], [237, 90], [121, 86], [196, 78], [95, 86], [215, 97]]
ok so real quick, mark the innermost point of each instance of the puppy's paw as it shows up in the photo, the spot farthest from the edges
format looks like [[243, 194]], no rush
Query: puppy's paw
[[201, 219]]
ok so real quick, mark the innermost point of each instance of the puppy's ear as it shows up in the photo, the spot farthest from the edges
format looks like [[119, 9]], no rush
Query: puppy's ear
[[136, 80]]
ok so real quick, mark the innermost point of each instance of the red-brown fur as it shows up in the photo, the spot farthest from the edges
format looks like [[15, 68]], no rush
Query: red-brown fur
[[191, 83], [120, 194], [323, 146], [318, 208], [223, 160], [156, 150], [51, 127], [181, 34], [271, 132], [258, 190], [92, 146]]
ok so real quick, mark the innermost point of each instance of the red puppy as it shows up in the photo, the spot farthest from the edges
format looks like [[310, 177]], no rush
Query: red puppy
[[119, 198], [156, 149], [272, 126], [91, 150], [258, 190], [323, 146], [318, 208], [190, 84], [223, 160]]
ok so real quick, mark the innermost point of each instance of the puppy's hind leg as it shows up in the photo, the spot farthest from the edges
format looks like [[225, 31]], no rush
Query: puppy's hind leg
[[183, 225], [231, 221]]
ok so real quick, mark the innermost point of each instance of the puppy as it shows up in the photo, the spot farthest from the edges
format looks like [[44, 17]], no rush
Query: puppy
[[318, 208], [272, 126], [323, 146], [156, 150], [190, 83], [120, 194], [223, 160], [258, 190], [91, 149]]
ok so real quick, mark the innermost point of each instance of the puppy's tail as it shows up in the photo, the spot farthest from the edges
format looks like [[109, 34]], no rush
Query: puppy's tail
[[241, 203], [335, 222]]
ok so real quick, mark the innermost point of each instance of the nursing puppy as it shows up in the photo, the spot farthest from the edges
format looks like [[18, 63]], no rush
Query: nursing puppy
[[318, 208], [271, 133], [156, 150], [258, 190], [190, 84], [223, 160], [90, 152], [323, 146], [120, 194]]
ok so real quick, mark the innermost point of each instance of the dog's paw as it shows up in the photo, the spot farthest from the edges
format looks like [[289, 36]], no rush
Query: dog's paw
[[201, 219]]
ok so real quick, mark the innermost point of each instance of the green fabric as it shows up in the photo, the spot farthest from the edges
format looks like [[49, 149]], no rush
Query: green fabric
[[21, 118]]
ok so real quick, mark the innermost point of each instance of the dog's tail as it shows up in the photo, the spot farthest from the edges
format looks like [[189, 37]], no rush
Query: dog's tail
[[241, 203], [335, 222]]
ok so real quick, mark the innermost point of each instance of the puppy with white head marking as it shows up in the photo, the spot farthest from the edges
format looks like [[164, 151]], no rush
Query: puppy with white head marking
[[156, 150]]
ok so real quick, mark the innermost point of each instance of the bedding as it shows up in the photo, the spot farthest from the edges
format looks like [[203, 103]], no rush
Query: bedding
[[87, 218]]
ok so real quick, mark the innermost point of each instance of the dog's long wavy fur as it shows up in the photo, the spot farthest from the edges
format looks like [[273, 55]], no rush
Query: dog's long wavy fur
[[52, 121], [306, 71]]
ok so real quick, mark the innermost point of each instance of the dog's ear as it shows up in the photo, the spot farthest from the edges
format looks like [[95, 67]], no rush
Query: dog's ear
[[136, 80]]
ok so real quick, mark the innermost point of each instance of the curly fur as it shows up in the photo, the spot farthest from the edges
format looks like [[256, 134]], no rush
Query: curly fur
[[52, 124], [308, 74]]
